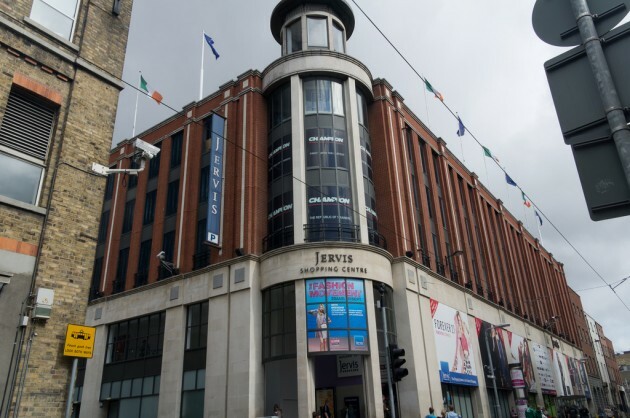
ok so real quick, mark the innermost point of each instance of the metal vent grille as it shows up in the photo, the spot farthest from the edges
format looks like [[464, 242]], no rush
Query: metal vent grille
[[27, 126]]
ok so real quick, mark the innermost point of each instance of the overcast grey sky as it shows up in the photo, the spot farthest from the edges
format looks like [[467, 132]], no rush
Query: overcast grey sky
[[483, 56]]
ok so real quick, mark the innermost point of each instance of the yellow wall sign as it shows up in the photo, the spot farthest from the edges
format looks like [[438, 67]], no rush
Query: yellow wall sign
[[79, 341]]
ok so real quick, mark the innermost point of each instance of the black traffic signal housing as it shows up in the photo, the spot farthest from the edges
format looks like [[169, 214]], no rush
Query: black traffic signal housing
[[395, 361]]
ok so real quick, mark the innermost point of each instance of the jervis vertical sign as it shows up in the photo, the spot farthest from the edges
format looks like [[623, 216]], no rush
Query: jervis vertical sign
[[215, 183]]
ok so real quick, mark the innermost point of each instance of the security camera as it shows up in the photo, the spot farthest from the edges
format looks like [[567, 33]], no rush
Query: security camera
[[161, 255], [147, 150], [144, 152]]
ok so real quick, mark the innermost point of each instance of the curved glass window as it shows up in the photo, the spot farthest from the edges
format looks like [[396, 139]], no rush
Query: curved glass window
[[317, 30], [329, 185], [278, 322], [366, 160], [280, 171], [294, 37], [338, 38]]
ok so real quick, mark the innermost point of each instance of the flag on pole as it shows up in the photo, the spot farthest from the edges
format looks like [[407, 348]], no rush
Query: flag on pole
[[210, 43], [487, 153], [462, 129], [509, 180], [154, 94], [538, 216], [525, 201], [430, 88]]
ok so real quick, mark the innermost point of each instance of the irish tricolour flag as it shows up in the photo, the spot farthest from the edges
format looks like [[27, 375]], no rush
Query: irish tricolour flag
[[154, 94]]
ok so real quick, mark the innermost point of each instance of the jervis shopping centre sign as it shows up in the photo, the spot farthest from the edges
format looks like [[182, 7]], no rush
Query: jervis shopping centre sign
[[333, 263]]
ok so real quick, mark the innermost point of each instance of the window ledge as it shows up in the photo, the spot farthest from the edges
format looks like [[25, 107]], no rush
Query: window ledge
[[48, 32], [4, 200]]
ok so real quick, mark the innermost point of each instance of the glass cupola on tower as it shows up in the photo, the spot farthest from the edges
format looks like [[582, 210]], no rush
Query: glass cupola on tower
[[299, 25]]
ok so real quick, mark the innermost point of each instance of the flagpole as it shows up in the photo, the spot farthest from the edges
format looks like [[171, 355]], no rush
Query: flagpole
[[135, 113], [461, 146], [203, 33], [487, 178]]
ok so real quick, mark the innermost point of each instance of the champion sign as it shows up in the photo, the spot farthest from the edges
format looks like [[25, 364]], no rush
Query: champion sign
[[325, 139], [215, 182], [329, 199]]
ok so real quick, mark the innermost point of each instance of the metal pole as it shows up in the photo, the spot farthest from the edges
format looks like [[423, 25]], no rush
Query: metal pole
[[605, 85], [390, 385], [73, 377], [494, 376]]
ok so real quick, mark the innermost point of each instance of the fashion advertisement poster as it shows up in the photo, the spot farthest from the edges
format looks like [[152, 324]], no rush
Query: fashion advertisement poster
[[561, 369], [584, 380], [542, 362], [335, 315], [325, 400], [520, 353], [576, 385], [456, 359], [501, 352]]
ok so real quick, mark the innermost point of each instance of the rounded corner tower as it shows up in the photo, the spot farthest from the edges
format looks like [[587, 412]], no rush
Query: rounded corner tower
[[318, 130]]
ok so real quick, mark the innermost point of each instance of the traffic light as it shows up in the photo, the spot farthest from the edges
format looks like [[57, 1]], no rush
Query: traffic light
[[395, 361]]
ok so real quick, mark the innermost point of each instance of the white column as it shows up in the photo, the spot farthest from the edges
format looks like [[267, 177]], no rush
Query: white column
[[298, 159], [172, 363], [90, 405], [305, 377], [372, 373]]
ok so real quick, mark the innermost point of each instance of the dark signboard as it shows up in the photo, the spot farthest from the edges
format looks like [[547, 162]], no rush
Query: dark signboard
[[215, 183]]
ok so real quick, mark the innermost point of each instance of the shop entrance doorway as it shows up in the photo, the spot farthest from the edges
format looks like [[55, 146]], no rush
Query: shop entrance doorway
[[339, 389]]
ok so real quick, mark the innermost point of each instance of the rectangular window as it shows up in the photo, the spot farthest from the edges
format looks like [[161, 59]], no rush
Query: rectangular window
[[109, 186], [128, 217], [154, 164], [134, 339], [102, 227], [294, 37], [278, 331], [145, 257], [197, 326], [25, 134], [204, 184], [193, 389], [149, 208], [176, 149], [57, 15], [317, 30], [338, 38], [132, 181], [168, 246], [337, 98], [121, 270], [172, 196]]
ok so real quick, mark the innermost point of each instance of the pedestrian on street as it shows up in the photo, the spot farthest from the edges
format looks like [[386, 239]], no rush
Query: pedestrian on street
[[431, 413]]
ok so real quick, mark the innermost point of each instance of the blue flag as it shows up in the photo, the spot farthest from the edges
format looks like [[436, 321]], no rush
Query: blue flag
[[211, 44], [538, 216], [461, 129], [509, 180]]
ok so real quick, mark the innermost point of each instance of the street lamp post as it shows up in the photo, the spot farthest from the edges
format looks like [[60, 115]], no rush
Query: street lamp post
[[494, 375]]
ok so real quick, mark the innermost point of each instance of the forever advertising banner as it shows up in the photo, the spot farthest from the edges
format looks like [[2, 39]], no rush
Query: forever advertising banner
[[456, 358]]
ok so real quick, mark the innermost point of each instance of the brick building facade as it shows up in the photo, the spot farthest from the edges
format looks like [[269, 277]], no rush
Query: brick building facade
[[305, 193], [61, 67]]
